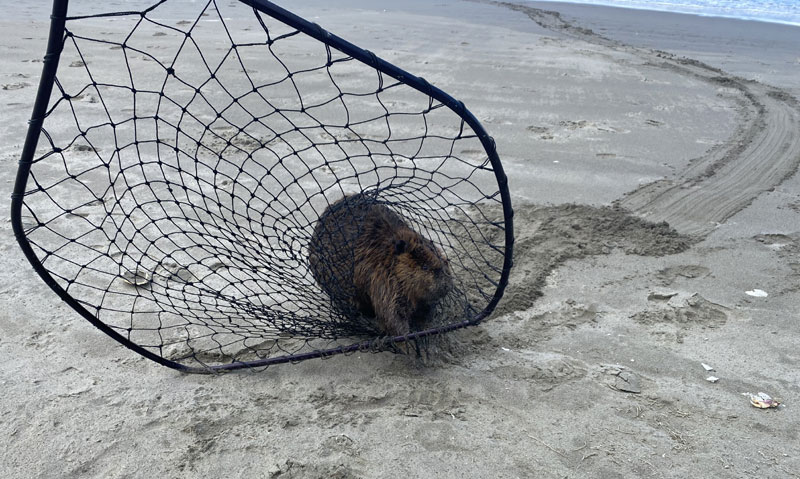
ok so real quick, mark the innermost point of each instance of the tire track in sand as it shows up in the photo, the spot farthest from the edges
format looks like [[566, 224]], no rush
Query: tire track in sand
[[762, 152]]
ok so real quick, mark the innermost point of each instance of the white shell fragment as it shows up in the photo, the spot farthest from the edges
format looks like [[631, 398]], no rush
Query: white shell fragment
[[712, 379], [139, 278], [762, 400], [661, 296], [757, 293], [707, 367]]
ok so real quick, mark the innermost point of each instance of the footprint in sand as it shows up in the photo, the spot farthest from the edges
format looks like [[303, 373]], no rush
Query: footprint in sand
[[81, 147], [618, 378], [574, 125], [584, 124], [537, 129], [775, 241], [15, 86], [85, 97], [542, 131], [77, 64], [691, 271], [686, 311], [671, 316], [473, 153], [543, 374]]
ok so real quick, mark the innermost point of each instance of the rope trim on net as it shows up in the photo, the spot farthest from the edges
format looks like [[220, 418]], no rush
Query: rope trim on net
[[177, 209]]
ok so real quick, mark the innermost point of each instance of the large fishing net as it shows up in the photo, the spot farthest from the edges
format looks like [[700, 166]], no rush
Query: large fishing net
[[186, 154]]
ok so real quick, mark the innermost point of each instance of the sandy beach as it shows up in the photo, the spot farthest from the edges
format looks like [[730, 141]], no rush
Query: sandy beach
[[652, 162]]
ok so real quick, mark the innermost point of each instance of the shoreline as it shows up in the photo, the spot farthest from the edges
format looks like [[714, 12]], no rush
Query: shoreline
[[761, 51], [677, 12]]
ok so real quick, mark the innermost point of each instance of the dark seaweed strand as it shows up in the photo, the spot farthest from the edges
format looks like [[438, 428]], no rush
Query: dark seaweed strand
[[173, 211]]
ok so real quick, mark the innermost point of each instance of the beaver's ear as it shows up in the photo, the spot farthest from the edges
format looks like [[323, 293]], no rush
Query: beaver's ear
[[399, 246]]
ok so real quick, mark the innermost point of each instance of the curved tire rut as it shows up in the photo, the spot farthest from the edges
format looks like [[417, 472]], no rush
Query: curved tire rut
[[762, 152]]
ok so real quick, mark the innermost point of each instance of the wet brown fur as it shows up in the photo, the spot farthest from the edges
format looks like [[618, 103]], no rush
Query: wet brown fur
[[369, 260]]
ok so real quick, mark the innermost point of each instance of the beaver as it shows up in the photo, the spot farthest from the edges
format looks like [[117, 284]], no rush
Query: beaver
[[370, 262]]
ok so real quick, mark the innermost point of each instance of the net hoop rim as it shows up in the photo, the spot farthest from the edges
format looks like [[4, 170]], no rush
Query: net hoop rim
[[55, 44]]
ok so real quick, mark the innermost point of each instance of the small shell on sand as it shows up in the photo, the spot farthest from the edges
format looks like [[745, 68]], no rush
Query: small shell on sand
[[762, 400], [757, 293], [138, 278]]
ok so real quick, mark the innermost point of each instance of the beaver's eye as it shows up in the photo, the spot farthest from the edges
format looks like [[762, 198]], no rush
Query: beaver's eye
[[425, 267], [399, 246]]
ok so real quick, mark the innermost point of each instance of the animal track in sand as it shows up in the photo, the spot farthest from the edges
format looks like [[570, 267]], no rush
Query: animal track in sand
[[291, 469], [569, 315], [568, 126], [543, 375], [537, 129], [618, 378], [686, 311], [786, 247], [438, 437], [671, 274], [16, 86], [81, 147], [779, 242], [587, 125], [473, 152], [543, 132], [364, 404], [39, 340], [520, 332]]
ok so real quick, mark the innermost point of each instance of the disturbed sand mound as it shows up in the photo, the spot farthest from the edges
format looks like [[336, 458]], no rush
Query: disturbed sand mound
[[548, 236]]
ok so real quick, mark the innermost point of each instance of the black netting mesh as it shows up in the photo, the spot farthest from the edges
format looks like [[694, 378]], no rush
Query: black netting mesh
[[187, 154]]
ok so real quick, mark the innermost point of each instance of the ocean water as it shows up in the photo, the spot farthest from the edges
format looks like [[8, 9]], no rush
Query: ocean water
[[776, 11]]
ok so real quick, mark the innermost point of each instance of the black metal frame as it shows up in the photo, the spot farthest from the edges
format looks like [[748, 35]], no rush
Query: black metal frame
[[50, 66]]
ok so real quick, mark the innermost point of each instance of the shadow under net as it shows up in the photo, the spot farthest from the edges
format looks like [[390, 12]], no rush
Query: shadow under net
[[187, 152]]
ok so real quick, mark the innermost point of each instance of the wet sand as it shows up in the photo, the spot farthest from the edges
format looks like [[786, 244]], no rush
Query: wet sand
[[608, 122]]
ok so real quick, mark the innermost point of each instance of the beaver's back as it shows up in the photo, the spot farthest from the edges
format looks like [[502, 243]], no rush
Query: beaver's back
[[348, 224], [371, 262], [346, 230]]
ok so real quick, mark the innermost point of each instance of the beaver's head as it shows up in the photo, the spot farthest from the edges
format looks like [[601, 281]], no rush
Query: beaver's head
[[420, 268]]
